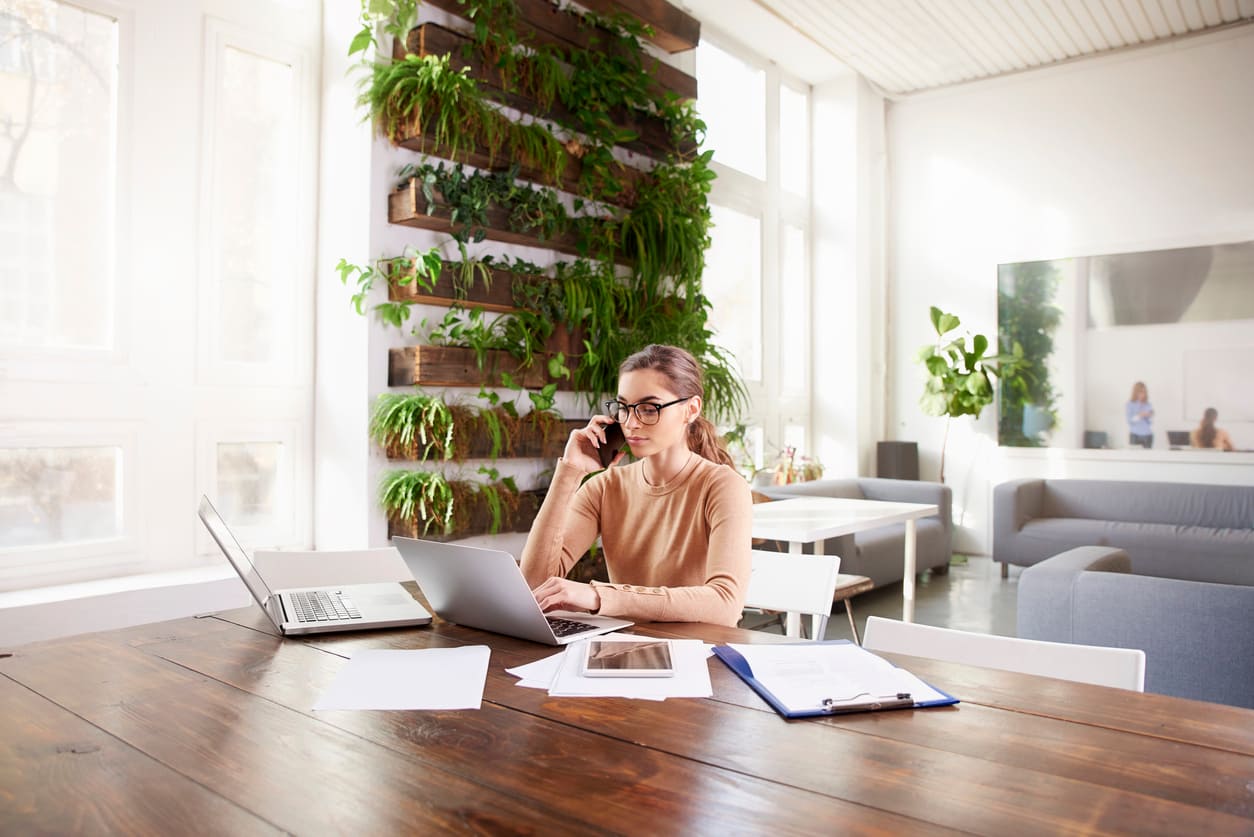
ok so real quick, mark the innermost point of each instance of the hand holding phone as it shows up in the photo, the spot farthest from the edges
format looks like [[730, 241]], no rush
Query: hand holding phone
[[614, 441]]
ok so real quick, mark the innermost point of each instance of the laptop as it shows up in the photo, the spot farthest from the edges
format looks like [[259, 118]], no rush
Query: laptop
[[485, 589], [1178, 439], [317, 610]]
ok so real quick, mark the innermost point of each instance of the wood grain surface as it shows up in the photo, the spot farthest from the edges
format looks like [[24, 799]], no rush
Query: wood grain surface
[[204, 725]]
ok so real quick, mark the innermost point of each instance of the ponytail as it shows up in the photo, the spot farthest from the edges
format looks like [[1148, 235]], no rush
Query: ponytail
[[704, 440]]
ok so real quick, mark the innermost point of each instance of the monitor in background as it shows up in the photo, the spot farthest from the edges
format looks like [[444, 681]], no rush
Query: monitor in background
[[1177, 439]]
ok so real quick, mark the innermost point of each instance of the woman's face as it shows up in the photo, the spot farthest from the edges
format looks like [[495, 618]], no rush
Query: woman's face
[[1140, 393], [651, 386]]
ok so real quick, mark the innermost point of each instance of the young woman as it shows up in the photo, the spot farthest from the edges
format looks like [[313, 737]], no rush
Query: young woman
[[674, 525], [1207, 435], [1139, 413]]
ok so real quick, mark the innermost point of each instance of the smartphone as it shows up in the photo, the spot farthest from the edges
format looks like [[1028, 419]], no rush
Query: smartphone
[[614, 441], [628, 658]]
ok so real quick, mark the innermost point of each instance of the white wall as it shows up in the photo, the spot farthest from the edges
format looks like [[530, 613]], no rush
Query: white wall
[[1142, 150]]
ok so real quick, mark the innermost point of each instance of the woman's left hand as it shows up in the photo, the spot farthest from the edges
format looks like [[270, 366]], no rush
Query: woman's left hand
[[563, 594]]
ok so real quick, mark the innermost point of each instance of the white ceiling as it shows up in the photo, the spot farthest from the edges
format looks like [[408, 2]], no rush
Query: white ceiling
[[907, 46]]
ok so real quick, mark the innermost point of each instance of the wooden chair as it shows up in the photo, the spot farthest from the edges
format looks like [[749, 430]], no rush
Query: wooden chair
[[794, 584], [1123, 668]]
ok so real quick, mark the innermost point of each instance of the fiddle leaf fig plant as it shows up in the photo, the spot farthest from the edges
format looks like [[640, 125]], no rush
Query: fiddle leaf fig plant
[[959, 373]]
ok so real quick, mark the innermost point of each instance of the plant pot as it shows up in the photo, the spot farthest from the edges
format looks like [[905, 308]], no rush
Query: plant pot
[[453, 366]]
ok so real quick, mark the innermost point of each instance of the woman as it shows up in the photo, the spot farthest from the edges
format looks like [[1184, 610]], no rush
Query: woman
[[674, 525], [1207, 435], [1139, 412]]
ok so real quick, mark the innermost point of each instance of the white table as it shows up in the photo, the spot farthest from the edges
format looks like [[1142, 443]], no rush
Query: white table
[[802, 520]]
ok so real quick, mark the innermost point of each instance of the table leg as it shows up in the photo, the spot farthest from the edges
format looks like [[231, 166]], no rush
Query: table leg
[[792, 620], [907, 582]]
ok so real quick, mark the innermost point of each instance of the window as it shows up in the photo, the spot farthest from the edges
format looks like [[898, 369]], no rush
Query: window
[[156, 225], [758, 274]]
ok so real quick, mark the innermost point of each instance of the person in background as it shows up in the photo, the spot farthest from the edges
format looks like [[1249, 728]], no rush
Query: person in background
[[674, 525], [1207, 435], [1140, 412]]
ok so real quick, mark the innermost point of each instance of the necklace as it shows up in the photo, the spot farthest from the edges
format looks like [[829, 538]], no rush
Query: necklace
[[681, 469]]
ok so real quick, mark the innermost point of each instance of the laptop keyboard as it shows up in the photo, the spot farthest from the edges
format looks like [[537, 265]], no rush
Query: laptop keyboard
[[568, 627], [321, 606]]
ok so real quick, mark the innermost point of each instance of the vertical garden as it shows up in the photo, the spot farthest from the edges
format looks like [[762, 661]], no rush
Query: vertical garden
[[549, 132]]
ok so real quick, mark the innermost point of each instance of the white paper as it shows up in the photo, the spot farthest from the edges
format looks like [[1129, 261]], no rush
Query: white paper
[[540, 674], [804, 675], [433, 678]]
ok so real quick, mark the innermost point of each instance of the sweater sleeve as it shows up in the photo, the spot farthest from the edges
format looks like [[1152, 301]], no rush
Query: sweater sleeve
[[720, 599], [563, 529]]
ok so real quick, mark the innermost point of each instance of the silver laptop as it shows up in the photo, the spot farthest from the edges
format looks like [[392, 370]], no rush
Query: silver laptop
[[485, 588], [317, 610]]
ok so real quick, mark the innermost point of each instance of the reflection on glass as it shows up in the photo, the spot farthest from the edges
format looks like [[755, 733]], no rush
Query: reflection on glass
[[56, 496], [733, 283], [248, 482], [1179, 321], [58, 108], [253, 179], [732, 102]]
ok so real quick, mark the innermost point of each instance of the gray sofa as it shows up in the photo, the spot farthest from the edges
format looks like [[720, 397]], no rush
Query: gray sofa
[[1169, 530], [1198, 636], [878, 553]]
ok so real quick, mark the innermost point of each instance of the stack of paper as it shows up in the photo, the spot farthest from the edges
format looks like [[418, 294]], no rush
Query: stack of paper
[[562, 675]]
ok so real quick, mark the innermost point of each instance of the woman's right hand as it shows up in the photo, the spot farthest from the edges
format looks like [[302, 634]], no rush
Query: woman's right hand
[[583, 445]]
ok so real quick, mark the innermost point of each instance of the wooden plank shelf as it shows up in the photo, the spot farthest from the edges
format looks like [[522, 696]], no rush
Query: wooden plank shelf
[[455, 366], [432, 39], [527, 441], [407, 205], [473, 520], [565, 29], [674, 30], [567, 180], [496, 296]]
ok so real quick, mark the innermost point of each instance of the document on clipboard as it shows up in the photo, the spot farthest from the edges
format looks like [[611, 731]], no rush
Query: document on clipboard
[[810, 679]]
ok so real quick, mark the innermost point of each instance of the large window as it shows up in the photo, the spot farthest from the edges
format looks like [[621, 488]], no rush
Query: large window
[[154, 336], [758, 266]]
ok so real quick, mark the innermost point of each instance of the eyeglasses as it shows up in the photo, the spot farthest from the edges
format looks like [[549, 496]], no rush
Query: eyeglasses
[[646, 411]]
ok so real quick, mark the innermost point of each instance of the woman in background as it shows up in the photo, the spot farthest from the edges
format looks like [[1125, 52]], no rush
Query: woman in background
[[1139, 412], [1207, 435], [674, 524]]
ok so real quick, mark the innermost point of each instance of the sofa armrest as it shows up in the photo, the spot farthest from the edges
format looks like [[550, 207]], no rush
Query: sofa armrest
[[1046, 603], [1014, 504]]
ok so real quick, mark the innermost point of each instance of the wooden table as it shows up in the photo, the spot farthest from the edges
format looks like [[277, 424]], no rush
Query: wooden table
[[802, 520], [204, 726]]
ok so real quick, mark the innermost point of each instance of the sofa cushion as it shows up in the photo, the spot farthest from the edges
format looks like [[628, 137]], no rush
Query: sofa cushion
[[815, 488], [1213, 506], [1222, 556]]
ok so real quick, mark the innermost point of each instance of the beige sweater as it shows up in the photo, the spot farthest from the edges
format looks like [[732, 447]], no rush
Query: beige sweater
[[677, 552]]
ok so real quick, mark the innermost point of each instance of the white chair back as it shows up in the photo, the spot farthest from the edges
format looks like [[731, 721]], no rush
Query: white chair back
[[796, 584], [1123, 668]]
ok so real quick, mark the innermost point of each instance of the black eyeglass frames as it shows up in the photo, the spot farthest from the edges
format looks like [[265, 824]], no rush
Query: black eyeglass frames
[[646, 411]]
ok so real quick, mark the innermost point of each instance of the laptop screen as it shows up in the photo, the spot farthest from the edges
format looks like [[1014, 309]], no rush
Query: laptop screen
[[234, 553]]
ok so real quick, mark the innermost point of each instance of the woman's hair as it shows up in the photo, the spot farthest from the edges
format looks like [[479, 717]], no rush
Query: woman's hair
[[1139, 386], [1206, 431], [684, 374]]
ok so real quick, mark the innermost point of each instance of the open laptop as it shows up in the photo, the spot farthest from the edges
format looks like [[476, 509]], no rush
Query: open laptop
[[1177, 439], [485, 588], [317, 610]]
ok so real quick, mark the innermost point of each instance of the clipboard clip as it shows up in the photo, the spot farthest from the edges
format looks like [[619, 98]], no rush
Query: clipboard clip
[[901, 700]]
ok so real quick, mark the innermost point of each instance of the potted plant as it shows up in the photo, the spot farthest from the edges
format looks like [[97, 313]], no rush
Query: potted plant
[[959, 375]]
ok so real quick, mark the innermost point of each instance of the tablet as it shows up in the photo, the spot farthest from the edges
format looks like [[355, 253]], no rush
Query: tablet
[[628, 658]]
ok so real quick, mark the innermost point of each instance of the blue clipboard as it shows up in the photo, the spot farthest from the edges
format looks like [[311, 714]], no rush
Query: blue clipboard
[[737, 663]]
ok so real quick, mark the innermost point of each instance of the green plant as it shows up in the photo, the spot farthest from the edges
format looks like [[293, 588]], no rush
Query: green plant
[[404, 422], [1027, 318], [417, 267], [418, 495], [959, 381]]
